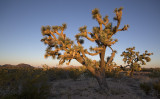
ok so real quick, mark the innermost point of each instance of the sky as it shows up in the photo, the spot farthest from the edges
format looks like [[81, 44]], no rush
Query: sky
[[21, 22]]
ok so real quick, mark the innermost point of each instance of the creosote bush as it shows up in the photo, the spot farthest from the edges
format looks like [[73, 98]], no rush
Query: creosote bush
[[74, 73], [155, 73], [156, 86], [146, 87], [26, 83]]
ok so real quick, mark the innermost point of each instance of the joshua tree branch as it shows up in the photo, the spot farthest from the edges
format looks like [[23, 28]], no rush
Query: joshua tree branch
[[92, 54], [111, 48], [111, 58]]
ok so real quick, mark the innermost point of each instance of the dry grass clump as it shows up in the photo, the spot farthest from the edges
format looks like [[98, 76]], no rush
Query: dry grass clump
[[150, 82], [156, 86], [146, 87]]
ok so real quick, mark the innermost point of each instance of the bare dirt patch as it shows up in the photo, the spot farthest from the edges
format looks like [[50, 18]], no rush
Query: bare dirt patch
[[120, 88]]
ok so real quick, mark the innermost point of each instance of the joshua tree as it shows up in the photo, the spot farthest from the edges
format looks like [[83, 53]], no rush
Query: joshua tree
[[63, 48], [134, 60]]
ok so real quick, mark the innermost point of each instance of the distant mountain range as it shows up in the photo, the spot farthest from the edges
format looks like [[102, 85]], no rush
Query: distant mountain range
[[22, 65]]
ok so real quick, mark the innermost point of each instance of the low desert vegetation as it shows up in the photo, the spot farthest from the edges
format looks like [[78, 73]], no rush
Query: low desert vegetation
[[23, 82], [47, 83], [151, 88]]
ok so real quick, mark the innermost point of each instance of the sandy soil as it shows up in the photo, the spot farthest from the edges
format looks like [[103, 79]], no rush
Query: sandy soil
[[121, 88]]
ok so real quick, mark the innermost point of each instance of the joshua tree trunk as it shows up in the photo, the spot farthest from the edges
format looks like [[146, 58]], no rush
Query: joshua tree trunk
[[131, 73], [101, 75], [102, 82]]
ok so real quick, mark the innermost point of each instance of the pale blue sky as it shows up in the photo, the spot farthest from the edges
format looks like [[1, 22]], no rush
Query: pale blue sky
[[21, 21]]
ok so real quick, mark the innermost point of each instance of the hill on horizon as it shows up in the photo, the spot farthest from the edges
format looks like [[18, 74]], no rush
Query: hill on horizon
[[21, 65]]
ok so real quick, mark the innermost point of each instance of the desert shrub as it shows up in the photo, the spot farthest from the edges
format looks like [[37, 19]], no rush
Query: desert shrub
[[155, 73], [61, 74], [156, 86], [9, 77], [75, 73], [56, 74], [51, 74], [147, 69], [35, 86], [110, 74], [113, 74], [88, 74], [65, 73], [26, 83], [145, 87]]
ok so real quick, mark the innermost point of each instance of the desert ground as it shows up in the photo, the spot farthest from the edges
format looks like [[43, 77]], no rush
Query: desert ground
[[120, 88]]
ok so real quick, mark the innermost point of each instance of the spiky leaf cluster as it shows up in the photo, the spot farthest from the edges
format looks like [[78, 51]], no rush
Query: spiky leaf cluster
[[102, 37], [112, 66], [56, 45], [118, 13], [95, 13]]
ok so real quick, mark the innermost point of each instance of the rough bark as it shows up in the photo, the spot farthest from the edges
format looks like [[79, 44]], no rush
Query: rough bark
[[131, 73], [102, 82], [102, 62], [100, 76]]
